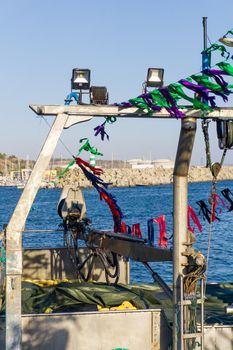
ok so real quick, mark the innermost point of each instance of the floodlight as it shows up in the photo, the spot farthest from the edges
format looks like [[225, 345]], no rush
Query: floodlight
[[226, 41], [99, 95], [80, 79], [154, 77]]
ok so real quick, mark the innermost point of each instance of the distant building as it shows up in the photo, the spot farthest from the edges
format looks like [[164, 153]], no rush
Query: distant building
[[140, 164], [163, 163], [149, 164]]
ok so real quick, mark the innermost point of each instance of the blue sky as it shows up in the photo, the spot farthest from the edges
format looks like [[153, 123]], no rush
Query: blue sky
[[41, 41]]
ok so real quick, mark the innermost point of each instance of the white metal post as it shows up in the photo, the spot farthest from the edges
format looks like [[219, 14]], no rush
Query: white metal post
[[14, 237], [180, 205]]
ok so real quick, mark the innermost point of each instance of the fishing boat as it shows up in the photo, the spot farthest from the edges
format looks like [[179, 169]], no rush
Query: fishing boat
[[85, 314]]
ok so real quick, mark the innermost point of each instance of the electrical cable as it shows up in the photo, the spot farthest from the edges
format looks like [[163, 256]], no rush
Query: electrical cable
[[109, 260]]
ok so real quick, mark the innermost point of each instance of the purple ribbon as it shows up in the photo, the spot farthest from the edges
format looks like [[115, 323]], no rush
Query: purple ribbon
[[125, 104], [200, 90], [216, 74], [173, 110], [100, 129]]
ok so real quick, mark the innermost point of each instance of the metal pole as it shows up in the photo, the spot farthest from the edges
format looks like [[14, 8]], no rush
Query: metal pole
[[14, 230], [205, 56], [180, 204]]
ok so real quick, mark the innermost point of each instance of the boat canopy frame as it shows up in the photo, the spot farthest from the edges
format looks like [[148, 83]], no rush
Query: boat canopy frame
[[65, 117]]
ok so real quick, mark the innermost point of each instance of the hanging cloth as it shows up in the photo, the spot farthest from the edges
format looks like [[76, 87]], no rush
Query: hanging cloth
[[163, 242], [215, 197], [116, 211], [192, 215], [136, 231], [226, 193], [123, 227], [150, 232], [205, 211]]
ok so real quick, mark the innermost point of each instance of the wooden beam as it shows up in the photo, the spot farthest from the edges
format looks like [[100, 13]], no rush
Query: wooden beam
[[122, 112]]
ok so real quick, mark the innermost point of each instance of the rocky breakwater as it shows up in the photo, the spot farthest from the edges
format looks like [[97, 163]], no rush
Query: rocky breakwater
[[142, 177]]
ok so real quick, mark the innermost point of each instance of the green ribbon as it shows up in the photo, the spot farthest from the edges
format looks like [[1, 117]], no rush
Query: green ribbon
[[110, 120], [221, 48], [67, 168], [227, 67], [229, 32], [158, 98], [177, 93], [85, 147], [204, 81], [140, 103]]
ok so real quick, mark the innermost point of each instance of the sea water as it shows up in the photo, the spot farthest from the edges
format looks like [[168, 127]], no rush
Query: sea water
[[138, 204]]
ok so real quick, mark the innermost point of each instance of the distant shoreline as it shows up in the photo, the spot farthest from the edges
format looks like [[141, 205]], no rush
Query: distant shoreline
[[125, 177], [143, 177]]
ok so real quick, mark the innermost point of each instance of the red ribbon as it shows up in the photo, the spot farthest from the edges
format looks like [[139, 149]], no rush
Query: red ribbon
[[215, 197], [136, 231], [162, 231], [123, 227], [115, 213], [96, 171], [192, 215]]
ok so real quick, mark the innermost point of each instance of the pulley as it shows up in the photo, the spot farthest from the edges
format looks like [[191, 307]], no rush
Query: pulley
[[225, 134]]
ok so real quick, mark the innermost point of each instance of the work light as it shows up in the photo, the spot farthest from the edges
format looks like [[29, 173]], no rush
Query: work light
[[80, 79], [154, 77]]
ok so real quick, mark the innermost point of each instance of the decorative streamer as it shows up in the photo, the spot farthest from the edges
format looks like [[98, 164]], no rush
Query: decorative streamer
[[136, 231], [202, 91], [172, 109], [226, 193], [168, 97], [85, 147], [101, 186], [217, 47], [150, 229], [100, 129], [226, 67], [163, 242], [205, 211], [124, 228], [72, 96], [192, 215], [95, 180], [217, 89], [95, 170], [177, 92], [116, 211], [214, 198]]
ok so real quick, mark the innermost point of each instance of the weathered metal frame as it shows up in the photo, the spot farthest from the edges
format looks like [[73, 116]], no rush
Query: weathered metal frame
[[67, 116]]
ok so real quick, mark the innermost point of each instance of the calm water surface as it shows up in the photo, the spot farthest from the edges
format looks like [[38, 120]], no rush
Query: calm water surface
[[138, 204]]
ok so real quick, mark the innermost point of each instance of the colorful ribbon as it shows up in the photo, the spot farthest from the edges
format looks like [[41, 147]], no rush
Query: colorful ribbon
[[192, 215], [163, 242]]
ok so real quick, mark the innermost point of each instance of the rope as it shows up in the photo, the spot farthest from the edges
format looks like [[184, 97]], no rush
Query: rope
[[60, 140], [215, 170]]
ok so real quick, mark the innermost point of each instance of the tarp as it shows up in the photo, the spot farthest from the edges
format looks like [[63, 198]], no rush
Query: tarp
[[85, 296], [82, 296]]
